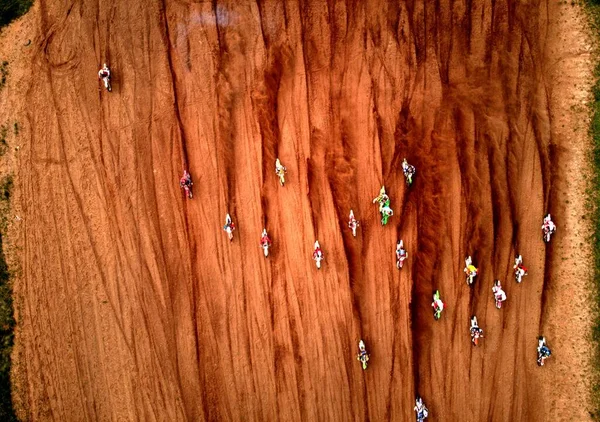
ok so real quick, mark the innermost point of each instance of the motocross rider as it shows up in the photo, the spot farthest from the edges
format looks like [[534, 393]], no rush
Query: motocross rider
[[384, 205], [438, 305], [352, 222], [186, 180], [420, 409], [499, 294], [363, 355], [104, 72], [228, 224], [400, 252], [548, 225], [471, 270], [382, 198], [520, 269], [386, 212], [475, 330], [407, 169], [265, 239], [318, 253], [279, 168], [543, 352]]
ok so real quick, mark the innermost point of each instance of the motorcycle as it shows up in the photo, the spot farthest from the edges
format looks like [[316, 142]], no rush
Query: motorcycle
[[520, 270], [106, 81], [476, 332], [384, 206], [438, 305], [386, 212], [548, 228], [186, 184], [280, 171], [381, 198], [543, 351], [363, 356], [318, 255], [421, 410], [229, 227], [265, 242], [409, 171], [401, 254], [470, 271], [104, 75], [499, 294], [353, 223]]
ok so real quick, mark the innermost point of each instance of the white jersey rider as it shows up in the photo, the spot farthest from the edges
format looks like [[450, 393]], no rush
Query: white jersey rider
[[400, 251], [499, 294], [280, 169], [104, 72], [549, 224], [438, 305]]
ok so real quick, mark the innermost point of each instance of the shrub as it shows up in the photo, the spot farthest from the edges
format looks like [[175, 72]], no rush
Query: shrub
[[12, 9]]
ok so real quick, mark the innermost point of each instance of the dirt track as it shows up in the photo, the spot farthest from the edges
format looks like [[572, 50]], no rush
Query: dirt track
[[134, 306]]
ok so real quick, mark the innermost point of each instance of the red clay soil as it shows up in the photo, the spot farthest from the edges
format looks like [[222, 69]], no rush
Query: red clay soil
[[137, 307]]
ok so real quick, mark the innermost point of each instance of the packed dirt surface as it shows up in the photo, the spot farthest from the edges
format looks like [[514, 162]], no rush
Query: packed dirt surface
[[134, 305]]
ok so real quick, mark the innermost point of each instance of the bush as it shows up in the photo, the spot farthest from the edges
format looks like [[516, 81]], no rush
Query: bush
[[12, 9]]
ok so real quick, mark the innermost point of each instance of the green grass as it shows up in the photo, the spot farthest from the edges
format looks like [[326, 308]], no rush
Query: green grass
[[12, 9], [593, 8]]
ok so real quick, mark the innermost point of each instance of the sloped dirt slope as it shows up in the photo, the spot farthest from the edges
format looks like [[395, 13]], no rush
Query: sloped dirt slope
[[135, 306]]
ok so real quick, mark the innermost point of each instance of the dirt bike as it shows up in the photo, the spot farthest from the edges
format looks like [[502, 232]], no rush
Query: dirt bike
[[543, 351], [280, 171], [520, 271], [438, 305], [186, 184], [386, 212], [106, 81], [499, 294], [188, 191], [401, 254], [229, 227], [265, 242], [470, 274], [318, 255], [384, 206], [476, 332], [353, 223], [381, 198], [409, 172], [385, 216], [548, 228], [421, 410], [363, 356]]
